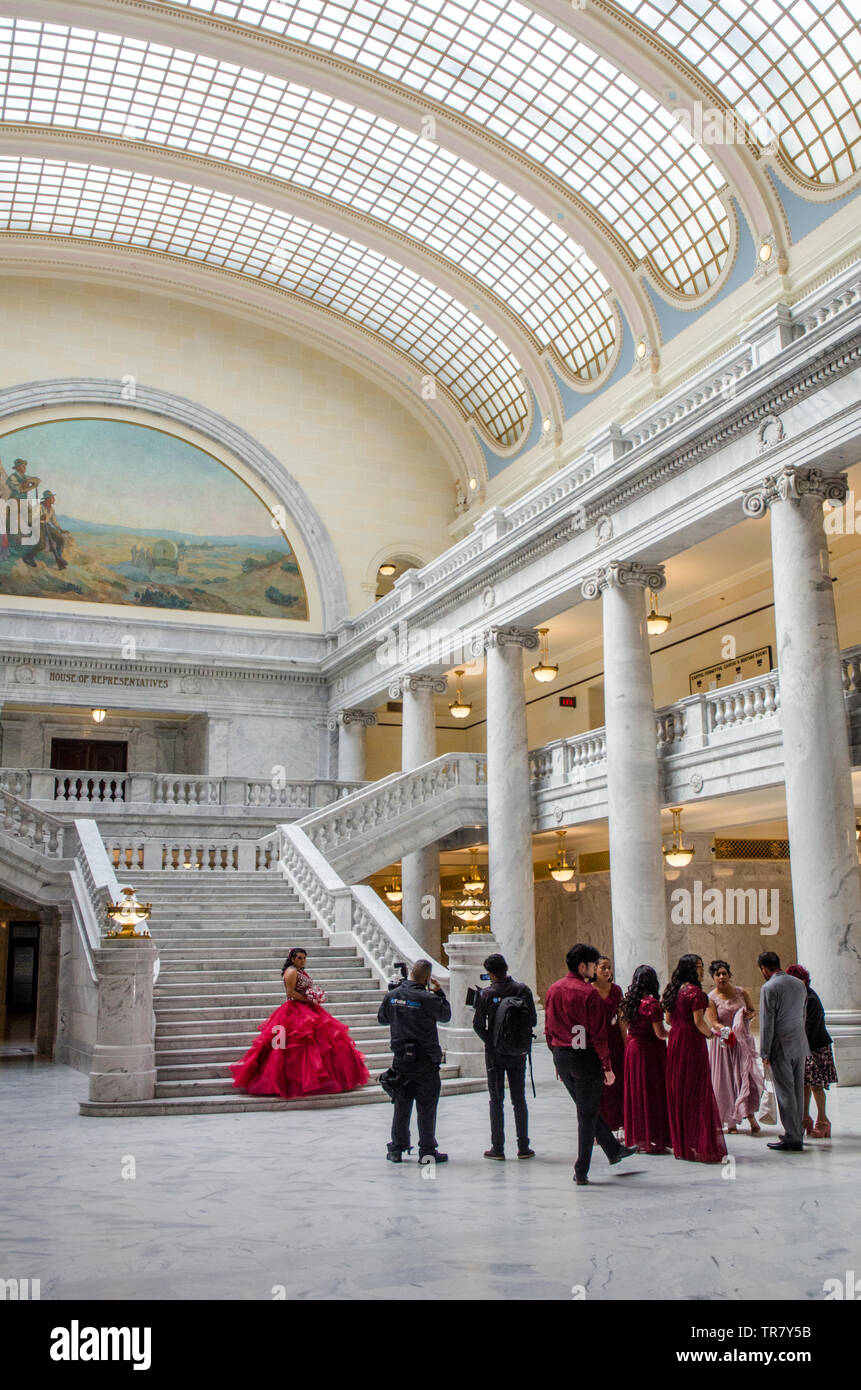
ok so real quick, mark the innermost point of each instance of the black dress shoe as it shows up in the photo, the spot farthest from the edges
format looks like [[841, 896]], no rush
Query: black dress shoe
[[788, 1146], [624, 1152], [581, 1182], [435, 1157], [495, 1153], [394, 1156], [525, 1153]]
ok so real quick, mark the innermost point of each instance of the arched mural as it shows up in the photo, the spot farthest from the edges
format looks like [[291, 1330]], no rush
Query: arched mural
[[104, 511]]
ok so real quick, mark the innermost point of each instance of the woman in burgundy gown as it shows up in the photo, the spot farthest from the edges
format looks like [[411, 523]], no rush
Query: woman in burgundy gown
[[612, 1097], [647, 1124], [695, 1126], [301, 1050]]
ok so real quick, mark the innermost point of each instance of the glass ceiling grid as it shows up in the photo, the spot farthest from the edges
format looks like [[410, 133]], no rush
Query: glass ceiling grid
[[789, 68], [539, 89], [441, 335], [130, 88]]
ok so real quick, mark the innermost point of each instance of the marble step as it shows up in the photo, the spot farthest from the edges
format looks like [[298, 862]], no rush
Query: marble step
[[215, 1086], [255, 1008], [175, 939], [168, 988], [263, 1000], [232, 1033], [219, 914], [248, 951], [239, 1102], [208, 972], [213, 1062]]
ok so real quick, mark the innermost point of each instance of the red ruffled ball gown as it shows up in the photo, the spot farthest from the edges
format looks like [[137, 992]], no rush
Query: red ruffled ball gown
[[647, 1123], [612, 1097], [301, 1050], [695, 1124]]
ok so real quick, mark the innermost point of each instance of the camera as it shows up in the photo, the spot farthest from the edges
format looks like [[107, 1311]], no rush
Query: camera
[[399, 978], [473, 993]]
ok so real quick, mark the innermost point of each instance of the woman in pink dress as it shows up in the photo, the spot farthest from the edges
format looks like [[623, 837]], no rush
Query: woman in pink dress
[[301, 1050], [736, 1070], [647, 1124], [695, 1127], [612, 1097]]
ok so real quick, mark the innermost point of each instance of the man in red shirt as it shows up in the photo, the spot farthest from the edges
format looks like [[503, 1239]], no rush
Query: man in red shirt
[[576, 1031]]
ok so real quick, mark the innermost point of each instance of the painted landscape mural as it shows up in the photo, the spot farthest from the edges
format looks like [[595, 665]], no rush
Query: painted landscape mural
[[122, 513]]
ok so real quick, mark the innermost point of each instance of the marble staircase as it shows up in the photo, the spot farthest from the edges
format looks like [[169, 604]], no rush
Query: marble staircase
[[222, 941]]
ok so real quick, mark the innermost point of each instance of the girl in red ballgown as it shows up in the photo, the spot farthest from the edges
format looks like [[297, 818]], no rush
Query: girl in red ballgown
[[612, 1097], [647, 1124], [301, 1050], [695, 1126]]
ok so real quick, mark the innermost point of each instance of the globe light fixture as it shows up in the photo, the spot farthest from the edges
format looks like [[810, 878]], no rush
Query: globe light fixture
[[99, 715], [127, 914], [472, 911], [765, 251], [642, 349], [656, 622], [387, 569], [394, 892], [544, 671], [560, 869], [677, 854], [458, 708]]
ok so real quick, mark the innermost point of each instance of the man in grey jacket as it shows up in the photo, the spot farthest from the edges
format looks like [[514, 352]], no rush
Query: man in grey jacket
[[783, 1044]]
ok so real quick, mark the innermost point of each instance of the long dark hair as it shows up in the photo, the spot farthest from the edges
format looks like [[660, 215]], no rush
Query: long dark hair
[[645, 982], [291, 955], [685, 973]]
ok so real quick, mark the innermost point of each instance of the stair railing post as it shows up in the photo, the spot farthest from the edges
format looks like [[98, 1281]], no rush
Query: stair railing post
[[466, 953], [123, 1064]]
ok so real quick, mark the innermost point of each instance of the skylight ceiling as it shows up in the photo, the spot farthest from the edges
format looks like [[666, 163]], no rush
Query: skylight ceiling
[[441, 336], [793, 62], [126, 87], [536, 87]]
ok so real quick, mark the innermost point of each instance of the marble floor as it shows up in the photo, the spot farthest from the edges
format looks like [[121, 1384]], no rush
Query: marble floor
[[303, 1205]]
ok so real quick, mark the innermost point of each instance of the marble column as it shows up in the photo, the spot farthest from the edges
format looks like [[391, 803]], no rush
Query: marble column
[[420, 870], [633, 779], [123, 1065], [817, 764], [352, 725], [509, 809]]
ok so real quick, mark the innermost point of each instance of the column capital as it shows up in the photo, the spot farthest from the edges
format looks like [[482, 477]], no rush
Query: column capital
[[620, 573], [413, 684], [791, 484], [509, 637], [351, 716]]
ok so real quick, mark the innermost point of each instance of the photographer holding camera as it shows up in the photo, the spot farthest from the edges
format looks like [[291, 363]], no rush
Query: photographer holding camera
[[504, 1018], [412, 1009]]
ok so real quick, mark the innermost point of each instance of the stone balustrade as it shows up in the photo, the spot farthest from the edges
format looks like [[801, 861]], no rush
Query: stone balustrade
[[153, 792], [28, 825]]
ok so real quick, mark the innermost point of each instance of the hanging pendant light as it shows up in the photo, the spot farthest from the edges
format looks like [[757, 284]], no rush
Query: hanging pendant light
[[394, 892], [656, 622], [560, 869], [474, 881], [387, 568], [677, 854], [544, 671], [458, 708]]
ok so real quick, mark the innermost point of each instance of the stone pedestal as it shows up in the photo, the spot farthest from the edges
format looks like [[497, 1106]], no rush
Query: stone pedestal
[[817, 766], [123, 1066], [420, 870], [633, 778], [466, 952], [509, 811]]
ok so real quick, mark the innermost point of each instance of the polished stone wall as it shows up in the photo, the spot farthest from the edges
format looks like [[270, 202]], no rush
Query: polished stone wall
[[77, 1005]]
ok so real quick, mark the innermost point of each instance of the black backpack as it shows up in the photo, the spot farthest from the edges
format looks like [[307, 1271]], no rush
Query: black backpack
[[511, 1033]]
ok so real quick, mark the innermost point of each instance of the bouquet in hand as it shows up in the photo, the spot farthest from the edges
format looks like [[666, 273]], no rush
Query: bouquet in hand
[[315, 995], [726, 1037]]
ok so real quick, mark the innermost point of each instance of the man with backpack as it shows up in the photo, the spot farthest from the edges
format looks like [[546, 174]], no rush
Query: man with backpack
[[504, 1019]]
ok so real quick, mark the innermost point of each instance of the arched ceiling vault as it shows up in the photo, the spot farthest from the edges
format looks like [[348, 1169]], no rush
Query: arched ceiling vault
[[508, 169], [225, 292]]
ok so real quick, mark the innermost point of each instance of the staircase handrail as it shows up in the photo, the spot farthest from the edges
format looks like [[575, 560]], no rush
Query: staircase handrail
[[356, 910]]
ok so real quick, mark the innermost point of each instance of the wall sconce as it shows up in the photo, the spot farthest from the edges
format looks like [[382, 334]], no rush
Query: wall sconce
[[99, 715]]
